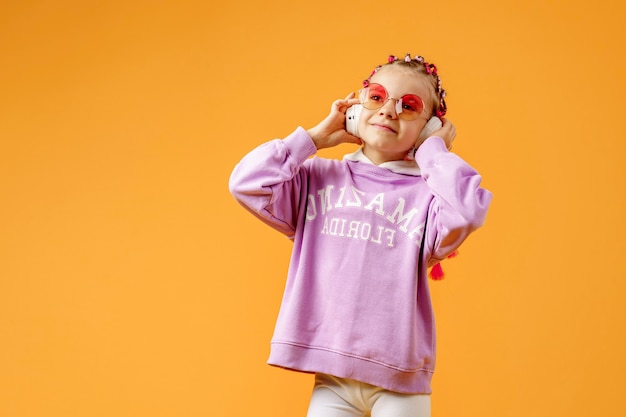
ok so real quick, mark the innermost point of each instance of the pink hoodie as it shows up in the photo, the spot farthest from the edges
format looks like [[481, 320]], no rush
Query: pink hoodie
[[356, 303]]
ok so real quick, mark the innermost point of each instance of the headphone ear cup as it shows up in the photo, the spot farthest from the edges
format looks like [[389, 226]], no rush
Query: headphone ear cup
[[431, 127], [352, 119]]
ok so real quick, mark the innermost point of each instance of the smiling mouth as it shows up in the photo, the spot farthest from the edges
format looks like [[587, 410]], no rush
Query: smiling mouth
[[383, 127]]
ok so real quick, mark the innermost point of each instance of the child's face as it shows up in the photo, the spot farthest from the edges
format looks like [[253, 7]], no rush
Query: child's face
[[385, 136]]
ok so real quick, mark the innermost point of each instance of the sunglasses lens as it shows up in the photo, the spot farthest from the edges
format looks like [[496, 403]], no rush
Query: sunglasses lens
[[375, 97], [412, 107]]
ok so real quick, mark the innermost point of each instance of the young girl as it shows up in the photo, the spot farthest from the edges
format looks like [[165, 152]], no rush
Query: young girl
[[356, 309]]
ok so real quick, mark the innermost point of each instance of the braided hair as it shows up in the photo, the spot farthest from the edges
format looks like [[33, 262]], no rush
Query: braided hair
[[422, 67]]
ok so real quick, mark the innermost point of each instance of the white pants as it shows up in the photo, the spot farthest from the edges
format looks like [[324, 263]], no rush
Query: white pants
[[339, 397]]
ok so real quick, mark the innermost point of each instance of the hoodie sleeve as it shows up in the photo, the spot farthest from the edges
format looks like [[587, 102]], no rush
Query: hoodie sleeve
[[268, 180], [460, 204]]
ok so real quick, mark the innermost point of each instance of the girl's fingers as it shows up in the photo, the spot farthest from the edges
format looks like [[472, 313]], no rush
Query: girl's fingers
[[342, 105]]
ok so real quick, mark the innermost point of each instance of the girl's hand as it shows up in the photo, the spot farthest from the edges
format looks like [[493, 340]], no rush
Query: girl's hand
[[447, 132], [332, 130]]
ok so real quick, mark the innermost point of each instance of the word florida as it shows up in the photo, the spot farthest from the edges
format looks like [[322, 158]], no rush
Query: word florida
[[395, 216]]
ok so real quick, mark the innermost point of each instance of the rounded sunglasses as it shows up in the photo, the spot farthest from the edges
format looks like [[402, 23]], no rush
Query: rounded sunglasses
[[408, 107]]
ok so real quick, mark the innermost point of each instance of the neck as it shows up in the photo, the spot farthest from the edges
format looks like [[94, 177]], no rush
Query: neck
[[378, 157]]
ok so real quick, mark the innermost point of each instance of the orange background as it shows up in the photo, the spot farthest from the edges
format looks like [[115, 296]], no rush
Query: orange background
[[132, 284]]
